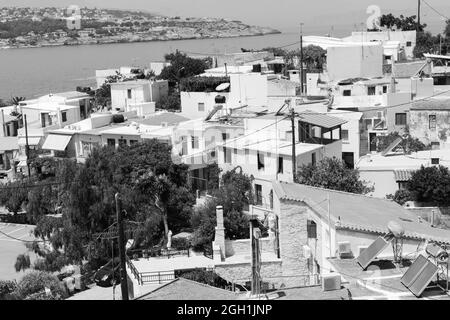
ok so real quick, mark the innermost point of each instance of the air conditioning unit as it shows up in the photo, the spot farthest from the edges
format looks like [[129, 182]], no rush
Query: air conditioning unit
[[344, 250], [307, 253], [331, 281], [361, 249]]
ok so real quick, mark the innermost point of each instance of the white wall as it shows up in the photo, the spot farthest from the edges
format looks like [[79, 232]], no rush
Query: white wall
[[248, 89], [382, 180], [190, 103], [354, 61]]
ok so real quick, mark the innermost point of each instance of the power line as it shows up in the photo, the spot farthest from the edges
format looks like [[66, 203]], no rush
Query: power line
[[26, 241], [435, 10]]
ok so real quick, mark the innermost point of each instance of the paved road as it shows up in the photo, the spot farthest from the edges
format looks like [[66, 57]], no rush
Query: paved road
[[11, 246]]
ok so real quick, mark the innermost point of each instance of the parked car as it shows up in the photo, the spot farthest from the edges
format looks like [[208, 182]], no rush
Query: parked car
[[105, 275]]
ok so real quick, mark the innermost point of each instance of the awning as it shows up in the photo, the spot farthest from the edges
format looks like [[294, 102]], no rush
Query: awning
[[32, 141], [320, 120], [56, 142], [403, 175]]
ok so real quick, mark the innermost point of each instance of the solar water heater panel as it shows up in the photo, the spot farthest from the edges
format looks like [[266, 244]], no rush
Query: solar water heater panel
[[369, 254]]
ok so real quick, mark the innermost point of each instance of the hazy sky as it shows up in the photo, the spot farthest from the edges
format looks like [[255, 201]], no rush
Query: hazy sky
[[282, 14]]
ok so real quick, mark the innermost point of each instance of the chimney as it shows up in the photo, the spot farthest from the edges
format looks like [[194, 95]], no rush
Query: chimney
[[219, 238]]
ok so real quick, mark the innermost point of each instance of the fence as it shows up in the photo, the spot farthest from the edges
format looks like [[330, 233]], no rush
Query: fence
[[157, 253], [150, 277]]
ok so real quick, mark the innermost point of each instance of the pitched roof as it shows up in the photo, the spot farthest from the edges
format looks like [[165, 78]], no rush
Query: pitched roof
[[407, 69], [321, 120], [184, 289], [359, 212], [436, 103]]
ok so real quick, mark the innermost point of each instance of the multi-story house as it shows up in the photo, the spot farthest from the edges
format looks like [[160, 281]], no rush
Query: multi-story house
[[265, 150]]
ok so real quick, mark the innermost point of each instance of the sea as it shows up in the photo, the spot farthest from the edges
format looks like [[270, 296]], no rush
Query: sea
[[31, 72]]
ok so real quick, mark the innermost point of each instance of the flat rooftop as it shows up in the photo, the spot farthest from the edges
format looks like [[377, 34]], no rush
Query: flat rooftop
[[402, 161]]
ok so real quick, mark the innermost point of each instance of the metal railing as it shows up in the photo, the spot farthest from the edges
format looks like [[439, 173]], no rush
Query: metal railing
[[150, 277], [157, 277]]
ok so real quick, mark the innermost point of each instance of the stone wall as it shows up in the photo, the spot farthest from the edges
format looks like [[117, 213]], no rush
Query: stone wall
[[292, 236], [234, 247], [419, 126]]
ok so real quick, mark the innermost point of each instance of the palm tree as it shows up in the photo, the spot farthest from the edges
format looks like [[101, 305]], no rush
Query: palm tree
[[15, 101]]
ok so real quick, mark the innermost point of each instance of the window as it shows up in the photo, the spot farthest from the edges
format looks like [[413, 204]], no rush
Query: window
[[408, 43], [434, 160], [225, 136], [129, 93], [132, 142], [347, 93], [432, 121], [64, 116], [258, 190], [313, 158], [435, 145], [122, 142], [289, 135], [201, 106], [235, 151], [311, 228], [195, 142], [344, 135], [280, 164], [260, 161], [400, 119], [384, 89], [371, 91], [227, 155], [111, 142]]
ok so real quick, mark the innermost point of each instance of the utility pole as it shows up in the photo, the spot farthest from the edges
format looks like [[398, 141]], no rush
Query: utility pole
[[122, 253], [294, 160], [418, 16], [27, 146], [329, 222], [255, 234], [302, 89]]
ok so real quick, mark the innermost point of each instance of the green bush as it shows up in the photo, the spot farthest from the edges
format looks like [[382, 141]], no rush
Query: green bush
[[181, 243], [7, 289], [35, 282]]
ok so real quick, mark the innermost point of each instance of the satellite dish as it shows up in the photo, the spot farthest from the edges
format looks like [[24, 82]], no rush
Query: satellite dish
[[222, 86], [396, 229]]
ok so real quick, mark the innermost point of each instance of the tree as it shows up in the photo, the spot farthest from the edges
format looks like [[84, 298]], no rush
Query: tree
[[35, 282], [172, 102], [400, 23], [7, 289], [182, 66], [332, 173], [22, 262], [154, 194], [431, 185], [426, 43], [234, 195], [408, 143], [401, 196]]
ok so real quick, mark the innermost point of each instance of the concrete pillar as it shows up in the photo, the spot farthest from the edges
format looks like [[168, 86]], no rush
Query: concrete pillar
[[219, 238]]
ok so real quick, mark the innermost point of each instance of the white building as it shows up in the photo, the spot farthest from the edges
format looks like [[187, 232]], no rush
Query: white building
[[265, 149], [353, 61], [138, 95], [390, 173], [407, 39]]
